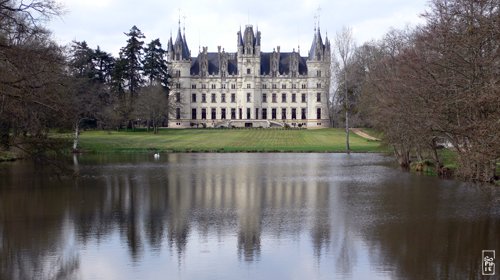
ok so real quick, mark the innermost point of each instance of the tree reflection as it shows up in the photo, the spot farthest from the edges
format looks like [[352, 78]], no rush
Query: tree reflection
[[442, 240], [173, 201]]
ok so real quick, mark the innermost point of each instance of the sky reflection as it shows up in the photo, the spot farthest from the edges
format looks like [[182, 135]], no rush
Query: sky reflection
[[245, 216]]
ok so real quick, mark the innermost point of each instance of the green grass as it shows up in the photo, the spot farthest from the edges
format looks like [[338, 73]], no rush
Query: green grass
[[225, 140]]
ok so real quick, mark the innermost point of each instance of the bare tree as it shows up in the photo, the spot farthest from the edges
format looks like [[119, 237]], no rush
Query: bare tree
[[439, 83], [344, 44], [152, 105], [32, 78]]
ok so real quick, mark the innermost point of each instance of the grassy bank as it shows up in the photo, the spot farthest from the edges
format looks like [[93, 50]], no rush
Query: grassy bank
[[225, 140]]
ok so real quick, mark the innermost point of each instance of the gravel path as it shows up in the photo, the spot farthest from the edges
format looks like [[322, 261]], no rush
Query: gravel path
[[359, 132]]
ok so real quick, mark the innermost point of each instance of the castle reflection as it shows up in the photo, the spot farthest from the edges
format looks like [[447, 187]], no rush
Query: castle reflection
[[341, 208]]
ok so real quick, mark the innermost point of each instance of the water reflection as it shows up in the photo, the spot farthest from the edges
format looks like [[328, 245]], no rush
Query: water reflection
[[283, 215]]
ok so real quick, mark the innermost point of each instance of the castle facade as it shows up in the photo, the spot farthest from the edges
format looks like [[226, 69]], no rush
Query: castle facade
[[249, 88]]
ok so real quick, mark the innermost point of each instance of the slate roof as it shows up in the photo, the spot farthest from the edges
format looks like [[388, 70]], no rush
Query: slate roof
[[265, 64], [213, 64], [181, 40]]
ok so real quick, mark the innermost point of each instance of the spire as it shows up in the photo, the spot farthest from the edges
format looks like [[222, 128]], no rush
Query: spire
[[180, 47], [317, 47], [240, 39]]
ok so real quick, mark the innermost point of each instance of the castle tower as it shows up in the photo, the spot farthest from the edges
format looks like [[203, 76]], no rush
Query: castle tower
[[179, 56], [249, 84], [318, 70]]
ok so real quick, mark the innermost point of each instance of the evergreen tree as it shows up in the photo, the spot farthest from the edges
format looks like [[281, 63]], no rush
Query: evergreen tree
[[104, 63], [155, 64], [82, 60], [131, 55]]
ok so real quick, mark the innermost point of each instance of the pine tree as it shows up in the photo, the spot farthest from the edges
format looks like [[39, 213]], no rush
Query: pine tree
[[155, 64], [131, 55]]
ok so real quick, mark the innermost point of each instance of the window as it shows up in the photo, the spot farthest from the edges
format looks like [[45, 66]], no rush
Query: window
[[318, 85], [193, 113], [274, 86], [203, 98], [233, 113], [264, 86], [264, 98], [294, 114], [233, 86], [248, 71], [233, 98], [294, 74], [193, 97], [240, 113], [304, 98], [294, 97], [283, 86], [256, 113], [203, 86], [223, 98], [248, 113], [303, 113], [283, 97], [203, 113], [249, 97], [318, 113], [177, 73], [178, 85], [223, 86], [177, 97], [214, 99], [283, 113], [318, 73], [318, 97], [214, 113], [213, 86], [193, 86], [264, 113], [223, 113], [273, 113], [274, 98], [249, 86], [303, 86], [294, 86], [177, 113]]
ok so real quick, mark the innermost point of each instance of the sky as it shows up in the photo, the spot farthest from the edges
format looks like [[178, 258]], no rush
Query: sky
[[289, 24]]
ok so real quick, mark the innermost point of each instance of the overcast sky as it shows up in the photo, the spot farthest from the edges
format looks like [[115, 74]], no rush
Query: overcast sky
[[288, 24]]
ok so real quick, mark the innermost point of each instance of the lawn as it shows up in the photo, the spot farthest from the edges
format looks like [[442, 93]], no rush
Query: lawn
[[225, 140]]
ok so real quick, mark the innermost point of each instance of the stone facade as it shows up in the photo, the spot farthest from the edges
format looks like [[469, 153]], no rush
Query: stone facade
[[249, 88]]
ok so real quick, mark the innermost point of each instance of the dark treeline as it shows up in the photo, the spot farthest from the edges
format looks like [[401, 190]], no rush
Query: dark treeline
[[432, 86], [44, 86]]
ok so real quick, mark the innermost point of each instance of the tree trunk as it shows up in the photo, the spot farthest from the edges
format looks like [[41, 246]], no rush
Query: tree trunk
[[5, 135], [76, 137], [348, 149]]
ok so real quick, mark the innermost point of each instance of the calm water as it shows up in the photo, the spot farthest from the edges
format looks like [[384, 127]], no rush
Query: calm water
[[242, 216]]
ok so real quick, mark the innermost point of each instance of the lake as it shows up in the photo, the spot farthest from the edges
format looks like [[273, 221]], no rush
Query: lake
[[242, 216]]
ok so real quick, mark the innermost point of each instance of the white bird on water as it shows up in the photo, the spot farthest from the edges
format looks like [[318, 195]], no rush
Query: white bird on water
[[156, 155]]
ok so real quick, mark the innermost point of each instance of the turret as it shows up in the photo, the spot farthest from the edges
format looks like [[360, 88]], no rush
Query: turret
[[249, 44], [180, 48], [317, 51]]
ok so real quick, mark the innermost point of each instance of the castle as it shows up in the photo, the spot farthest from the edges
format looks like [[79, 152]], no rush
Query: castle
[[249, 88]]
